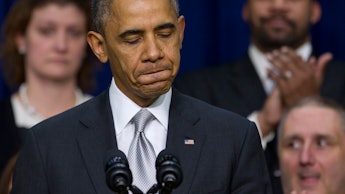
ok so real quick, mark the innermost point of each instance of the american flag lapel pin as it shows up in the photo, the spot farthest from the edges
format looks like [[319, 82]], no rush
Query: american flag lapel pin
[[189, 141]]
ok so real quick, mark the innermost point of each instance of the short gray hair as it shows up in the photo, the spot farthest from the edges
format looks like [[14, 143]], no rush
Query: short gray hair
[[101, 11], [315, 101]]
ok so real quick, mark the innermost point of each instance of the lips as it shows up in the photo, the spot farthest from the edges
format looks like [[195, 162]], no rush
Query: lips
[[59, 61], [278, 22], [155, 75], [154, 72], [308, 179], [154, 69]]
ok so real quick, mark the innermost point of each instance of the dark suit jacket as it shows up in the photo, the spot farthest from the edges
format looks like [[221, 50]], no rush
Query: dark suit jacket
[[237, 87], [65, 154], [11, 136]]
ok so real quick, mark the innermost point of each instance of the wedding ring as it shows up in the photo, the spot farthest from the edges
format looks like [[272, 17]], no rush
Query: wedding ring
[[288, 74]]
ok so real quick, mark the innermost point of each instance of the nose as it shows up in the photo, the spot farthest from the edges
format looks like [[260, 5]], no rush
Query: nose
[[307, 156], [278, 4], [61, 41], [153, 50]]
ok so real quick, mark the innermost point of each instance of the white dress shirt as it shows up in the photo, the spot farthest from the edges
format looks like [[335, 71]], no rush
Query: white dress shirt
[[261, 64], [124, 109]]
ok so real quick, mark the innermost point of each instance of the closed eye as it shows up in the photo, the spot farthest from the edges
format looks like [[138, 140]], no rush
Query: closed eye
[[131, 36], [165, 30], [164, 34], [132, 41]]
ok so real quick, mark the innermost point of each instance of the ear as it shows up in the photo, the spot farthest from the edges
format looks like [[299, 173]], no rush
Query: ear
[[316, 12], [245, 12], [97, 44], [181, 26], [21, 43]]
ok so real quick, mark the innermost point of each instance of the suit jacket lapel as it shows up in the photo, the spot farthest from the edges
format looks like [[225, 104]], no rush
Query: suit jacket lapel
[[184, 139], [98, 137]]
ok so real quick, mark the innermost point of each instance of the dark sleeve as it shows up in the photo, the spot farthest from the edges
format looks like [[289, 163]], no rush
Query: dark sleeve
[[29, 174], [251, 174]]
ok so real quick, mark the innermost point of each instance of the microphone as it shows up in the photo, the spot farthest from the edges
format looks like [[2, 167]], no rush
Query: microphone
[[169, 174], [118, 175]]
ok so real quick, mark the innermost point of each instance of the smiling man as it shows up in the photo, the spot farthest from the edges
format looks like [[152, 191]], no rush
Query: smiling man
[[312, 148]]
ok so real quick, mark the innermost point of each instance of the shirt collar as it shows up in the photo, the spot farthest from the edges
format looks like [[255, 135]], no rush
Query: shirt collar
[[124, 109], [305, 51]]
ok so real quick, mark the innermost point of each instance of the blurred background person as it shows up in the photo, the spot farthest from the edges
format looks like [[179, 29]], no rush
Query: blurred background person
[[311, 146], [46, 61], [278, 70]]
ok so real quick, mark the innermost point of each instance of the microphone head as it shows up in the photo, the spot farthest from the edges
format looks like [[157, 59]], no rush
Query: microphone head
[[169, 174], [118, 175]]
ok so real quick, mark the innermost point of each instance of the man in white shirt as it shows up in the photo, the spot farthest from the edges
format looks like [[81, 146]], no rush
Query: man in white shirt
[[218, 151]]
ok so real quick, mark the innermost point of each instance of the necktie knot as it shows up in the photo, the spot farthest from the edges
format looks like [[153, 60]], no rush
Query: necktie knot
[[141, 119]]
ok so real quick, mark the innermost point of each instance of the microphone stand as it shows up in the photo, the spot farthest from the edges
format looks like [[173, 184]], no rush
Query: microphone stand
[[162, 190], [153, 190], [135, 190]]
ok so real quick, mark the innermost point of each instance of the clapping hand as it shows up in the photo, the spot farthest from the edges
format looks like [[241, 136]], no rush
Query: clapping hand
[[295, 77]]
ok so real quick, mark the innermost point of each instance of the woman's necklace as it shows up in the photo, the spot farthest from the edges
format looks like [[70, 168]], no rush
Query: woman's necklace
[[31, 110], [24, 99]]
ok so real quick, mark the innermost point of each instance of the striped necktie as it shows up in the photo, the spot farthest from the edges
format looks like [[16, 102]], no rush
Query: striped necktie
[[141, 154]]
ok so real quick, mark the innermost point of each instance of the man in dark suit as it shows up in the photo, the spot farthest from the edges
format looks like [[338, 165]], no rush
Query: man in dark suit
[[277, 71], [219, 151]]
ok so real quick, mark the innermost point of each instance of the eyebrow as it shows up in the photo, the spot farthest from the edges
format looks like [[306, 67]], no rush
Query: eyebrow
[[165, 26], [292, 137], [315, 136], [131, 32], [138, 31], [324, 136]]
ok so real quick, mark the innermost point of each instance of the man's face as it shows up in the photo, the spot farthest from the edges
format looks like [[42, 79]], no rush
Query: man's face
[[312, 151], [276, 23], [143, 39]]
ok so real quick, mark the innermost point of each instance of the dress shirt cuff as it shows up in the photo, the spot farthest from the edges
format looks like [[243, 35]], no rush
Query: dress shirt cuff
[[264, 140]]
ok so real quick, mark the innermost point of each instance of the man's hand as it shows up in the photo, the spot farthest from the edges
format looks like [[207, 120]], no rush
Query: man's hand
[[269, 116], [296, 78]]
